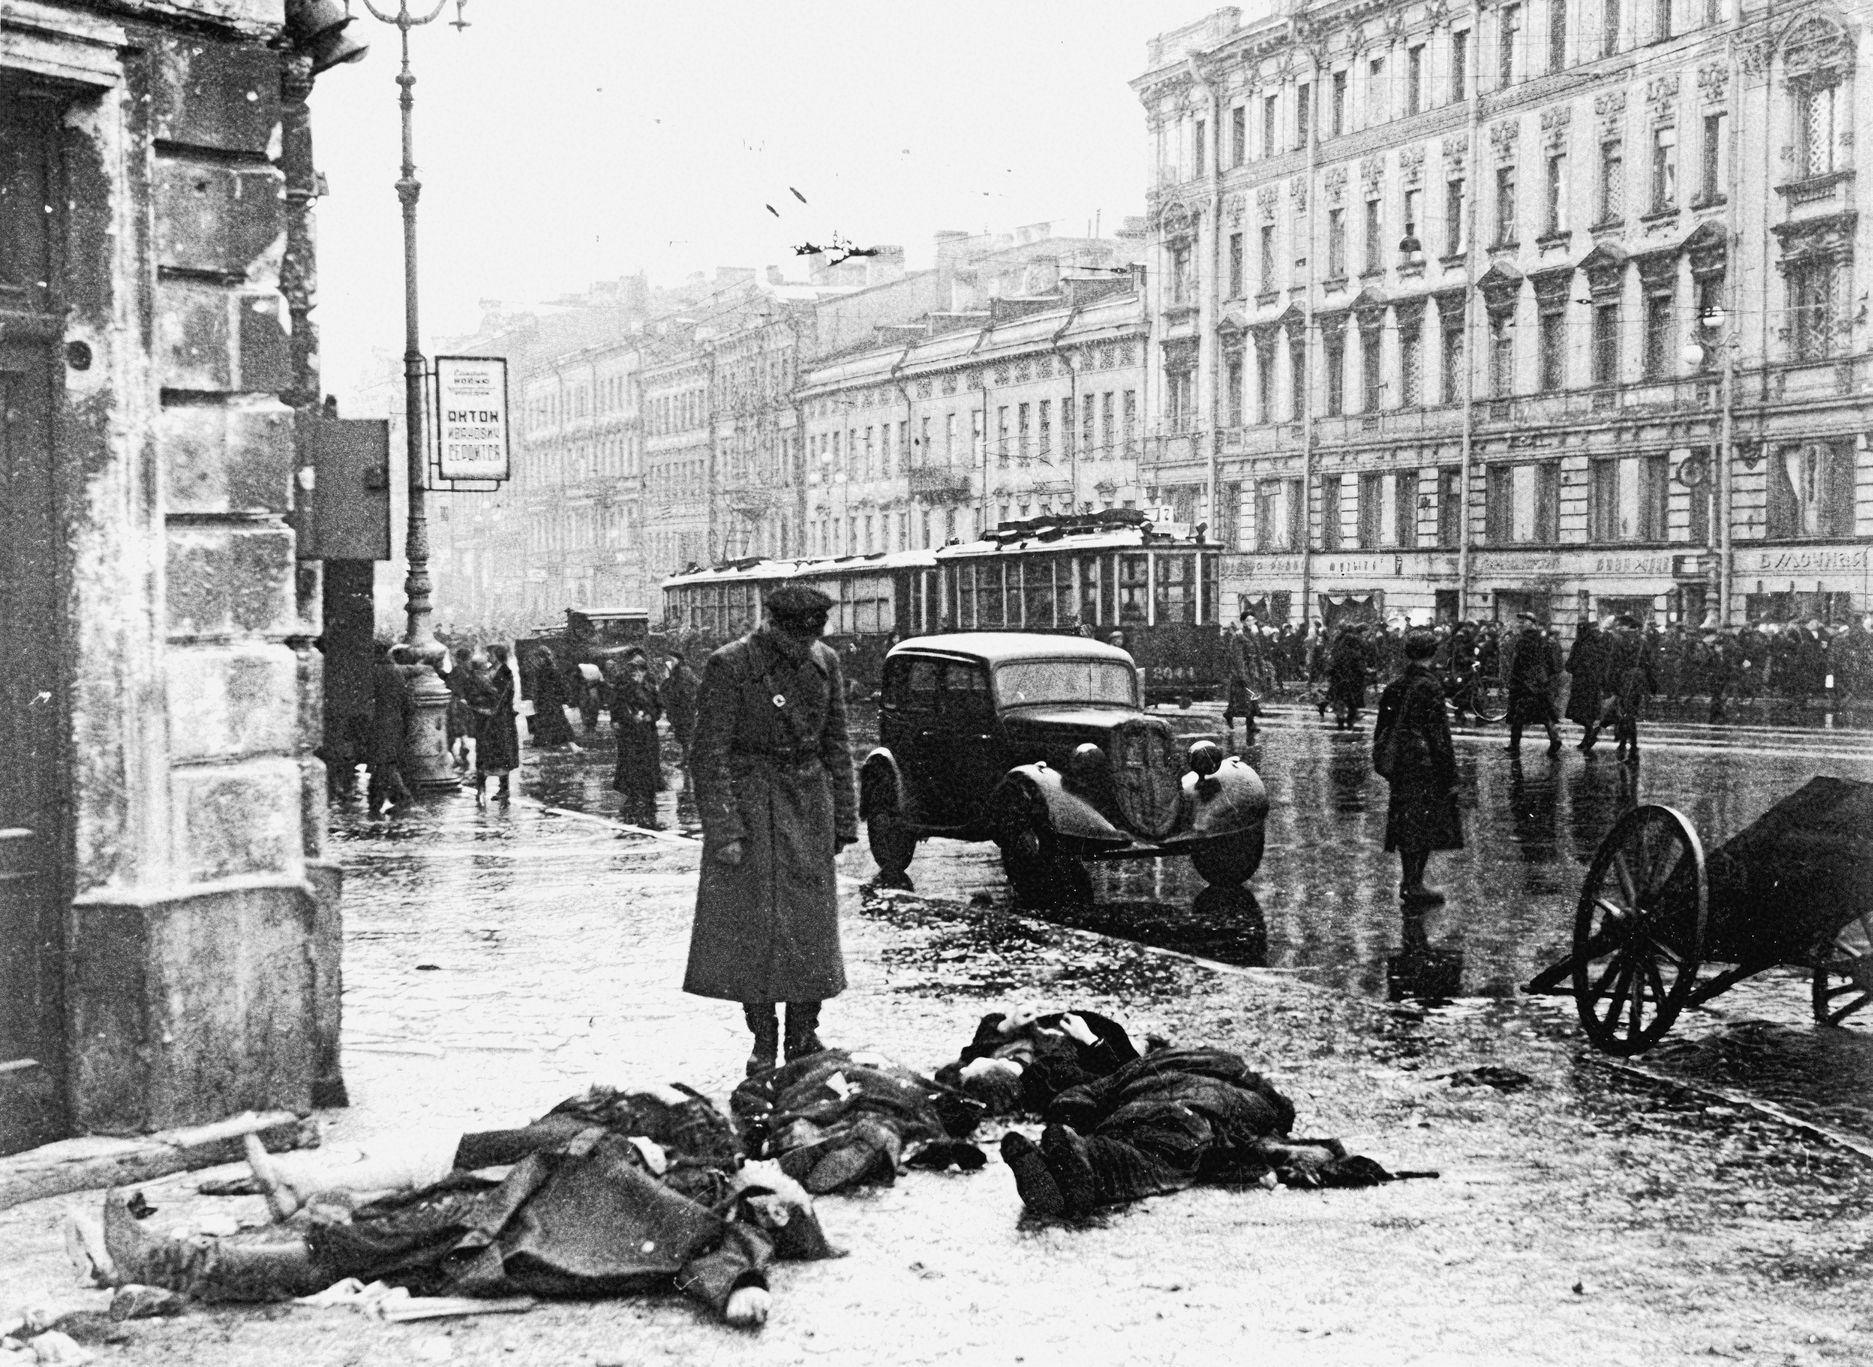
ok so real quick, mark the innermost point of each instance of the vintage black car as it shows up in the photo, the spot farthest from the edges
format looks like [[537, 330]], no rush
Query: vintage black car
[[1038, 743]]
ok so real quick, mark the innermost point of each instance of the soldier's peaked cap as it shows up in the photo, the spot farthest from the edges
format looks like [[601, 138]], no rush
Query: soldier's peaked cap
[[797, 600]]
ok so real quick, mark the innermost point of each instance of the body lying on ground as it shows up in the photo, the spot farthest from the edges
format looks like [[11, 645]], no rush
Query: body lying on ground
[[1020, 1059], [611, 1193]]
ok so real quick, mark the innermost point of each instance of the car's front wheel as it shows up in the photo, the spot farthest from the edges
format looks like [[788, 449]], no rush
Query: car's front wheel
[[1040, 873], [893, 846], [1229, 861]]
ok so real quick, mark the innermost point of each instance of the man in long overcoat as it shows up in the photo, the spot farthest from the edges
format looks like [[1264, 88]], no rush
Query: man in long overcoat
[[1530, 670], [390, 721], [774, 790], [1422, 813], [1586, 661], [1631, 679]]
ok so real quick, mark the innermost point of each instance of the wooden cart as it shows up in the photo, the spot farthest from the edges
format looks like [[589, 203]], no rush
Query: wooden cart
[[1795, 887]]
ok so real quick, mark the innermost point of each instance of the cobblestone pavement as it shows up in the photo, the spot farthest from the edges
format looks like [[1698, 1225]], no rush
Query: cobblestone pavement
[[500, 959]]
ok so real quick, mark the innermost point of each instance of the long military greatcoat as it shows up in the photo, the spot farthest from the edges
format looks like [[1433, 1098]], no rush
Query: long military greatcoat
[[1422, 813], [772, 770]]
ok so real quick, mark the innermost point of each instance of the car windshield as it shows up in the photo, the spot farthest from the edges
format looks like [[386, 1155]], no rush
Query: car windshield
[[1083, 681]]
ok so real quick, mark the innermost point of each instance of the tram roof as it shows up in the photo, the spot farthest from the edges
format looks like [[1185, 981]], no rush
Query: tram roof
[[770, 571], [1104, 539], [997, 647]]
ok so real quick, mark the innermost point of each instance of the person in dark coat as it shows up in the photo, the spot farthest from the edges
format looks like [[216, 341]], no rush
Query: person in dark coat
[[1347, 664], [549, 726], [1630, 672], [390, 723], [774, 790], [1422, 814], [679, 700], [634, 712], [1586, 662], [460, 720], [1529, 671], [490, 693], [1241, 660]]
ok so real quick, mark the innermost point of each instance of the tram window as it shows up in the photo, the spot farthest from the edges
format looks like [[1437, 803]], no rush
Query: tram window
[[989, 595], [1064, 605], [965, 597], [1134, 583], [1037, 576], [1089, 590], [966, 692], [1177, 589], [871, 605], [1211, 608], [709, 605]]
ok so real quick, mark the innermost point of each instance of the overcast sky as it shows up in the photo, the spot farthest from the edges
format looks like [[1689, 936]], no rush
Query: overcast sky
[[561, 142]]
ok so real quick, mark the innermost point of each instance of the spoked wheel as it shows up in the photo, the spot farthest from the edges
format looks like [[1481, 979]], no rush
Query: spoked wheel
[[1492, 701], [1639, 929], [1843, 972]]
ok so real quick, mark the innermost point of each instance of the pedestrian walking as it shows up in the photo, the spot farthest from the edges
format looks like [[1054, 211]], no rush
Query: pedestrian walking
[[460, 720], [497, 735], [1633, 680], [634, 711], [1241, 700], [774, 790], [1530, 669], [1347, 664], [390, 723], [679, 701], [548, 692], [1586, 662], [1412, 750]]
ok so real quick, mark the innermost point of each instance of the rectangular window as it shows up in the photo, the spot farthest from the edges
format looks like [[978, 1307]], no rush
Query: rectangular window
[[978, 438], [1271, 124], [1297, 378], [1336, 244], [1238, 135], [1557, 34], [1661, 335], [1654, 495], [1045, 430], [1372, 492], [1333, 351], [1811, 490], [1664, 168], [1001, 434], [1066, 427], [1265, 381], [1449, 507], [1815, 128], [1712, 179], [1508, 39], [1453, 357], [1330, 512], [949, 438], [1268, 258], [1181, 392], [1501, 355], [1554, 216], [1088, 416], [1375, 235], [1414, 79], [1303, 114], [1505, 206], [1609, 27], [1404, 510], [1411, 362], [1454, 238], [1235, 265], [1232, 398], [1661, 20], [1276, 506], [1606, 344], [1337, 97], [1229, 526], [1612, 181], [1603, 500], [1551, 329], [1369, 374], [1199, 142], [1131, 422], [1523, 503], [1180, 274], [1811, 300], [1414, 205], [1459, 65], [1022, 414]]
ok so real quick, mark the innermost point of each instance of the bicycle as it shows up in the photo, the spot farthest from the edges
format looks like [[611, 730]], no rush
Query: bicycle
[[1478, 694]]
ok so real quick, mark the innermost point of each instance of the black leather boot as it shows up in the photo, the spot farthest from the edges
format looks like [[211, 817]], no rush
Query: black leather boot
[[802, 1030], [766, 1026]]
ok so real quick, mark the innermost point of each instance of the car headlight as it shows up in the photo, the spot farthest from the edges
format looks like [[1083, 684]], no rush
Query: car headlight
[[1206, 757], [1087, 763]]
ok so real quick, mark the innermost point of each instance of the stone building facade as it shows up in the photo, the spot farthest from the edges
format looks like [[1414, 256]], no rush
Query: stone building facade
[[965, 419], [1542, 304], [168, 922]]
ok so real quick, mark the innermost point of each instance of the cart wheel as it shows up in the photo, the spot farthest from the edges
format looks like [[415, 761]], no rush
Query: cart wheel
[[1639, 929], [1492, 701], [1843, 971]]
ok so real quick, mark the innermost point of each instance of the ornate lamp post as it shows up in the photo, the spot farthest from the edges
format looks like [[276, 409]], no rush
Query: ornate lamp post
[[426, 764], [1697, 352]]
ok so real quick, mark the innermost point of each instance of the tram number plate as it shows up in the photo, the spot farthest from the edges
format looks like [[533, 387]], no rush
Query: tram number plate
[[1168, 672]]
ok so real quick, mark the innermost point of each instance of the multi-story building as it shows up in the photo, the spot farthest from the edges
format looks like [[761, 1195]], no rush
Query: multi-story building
[[1541, 304], [1027, 406]]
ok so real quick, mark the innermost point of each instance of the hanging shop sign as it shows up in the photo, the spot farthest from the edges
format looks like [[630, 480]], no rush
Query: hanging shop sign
[[471, 417]]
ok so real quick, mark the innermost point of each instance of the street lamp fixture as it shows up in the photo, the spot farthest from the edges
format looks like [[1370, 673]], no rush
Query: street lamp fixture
[[426, 764], [1712, 342]]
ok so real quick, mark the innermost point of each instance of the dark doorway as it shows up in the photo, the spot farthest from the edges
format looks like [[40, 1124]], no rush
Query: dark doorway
[[34, 869]]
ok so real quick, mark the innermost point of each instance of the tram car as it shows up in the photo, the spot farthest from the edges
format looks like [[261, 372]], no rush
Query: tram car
[[1112, 576]]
